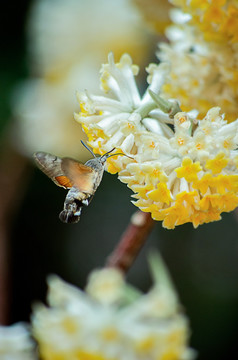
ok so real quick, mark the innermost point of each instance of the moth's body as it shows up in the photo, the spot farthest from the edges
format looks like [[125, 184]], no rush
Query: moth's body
[[82, 180], [76, 199]]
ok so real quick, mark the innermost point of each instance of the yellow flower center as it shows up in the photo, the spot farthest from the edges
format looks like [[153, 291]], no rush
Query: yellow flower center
[[199, 146], [180, 141]]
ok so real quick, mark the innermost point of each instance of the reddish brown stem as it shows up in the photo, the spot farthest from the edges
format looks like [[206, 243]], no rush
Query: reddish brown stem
[[131, 241]]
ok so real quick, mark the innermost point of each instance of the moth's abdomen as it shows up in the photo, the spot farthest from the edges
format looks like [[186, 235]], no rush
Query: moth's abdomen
[[72, 209], [68, 217]]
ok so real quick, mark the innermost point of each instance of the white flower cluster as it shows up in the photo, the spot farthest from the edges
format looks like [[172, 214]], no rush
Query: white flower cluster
[[16, 343], [181, 168], [107, 324]]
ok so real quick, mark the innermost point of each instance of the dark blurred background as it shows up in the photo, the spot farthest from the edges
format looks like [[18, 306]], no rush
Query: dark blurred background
[[203, 262]]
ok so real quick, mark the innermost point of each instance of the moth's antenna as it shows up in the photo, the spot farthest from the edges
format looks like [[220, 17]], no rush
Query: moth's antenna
[[108, 153], [107, 156], [118, 154], [89, 149]]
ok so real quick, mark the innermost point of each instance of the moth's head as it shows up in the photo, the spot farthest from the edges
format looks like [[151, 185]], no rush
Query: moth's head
[[102, 159]]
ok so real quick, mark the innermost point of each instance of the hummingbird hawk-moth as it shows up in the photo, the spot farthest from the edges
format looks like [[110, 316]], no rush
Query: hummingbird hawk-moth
[[82, 180]]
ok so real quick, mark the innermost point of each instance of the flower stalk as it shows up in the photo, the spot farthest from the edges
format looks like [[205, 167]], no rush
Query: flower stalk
[[131, 241], [169, 107]]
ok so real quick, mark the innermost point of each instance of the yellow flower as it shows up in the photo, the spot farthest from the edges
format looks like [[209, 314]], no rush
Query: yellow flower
[[128, 325], [188, 170], [177, 162], [217, 164], [161, 194], [216, 18]]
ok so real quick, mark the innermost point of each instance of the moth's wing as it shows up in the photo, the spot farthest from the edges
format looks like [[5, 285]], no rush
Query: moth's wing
[[51, 165], [80, 175]]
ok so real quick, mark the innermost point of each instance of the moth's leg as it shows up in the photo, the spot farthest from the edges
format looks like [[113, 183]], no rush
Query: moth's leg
[[87, 201]]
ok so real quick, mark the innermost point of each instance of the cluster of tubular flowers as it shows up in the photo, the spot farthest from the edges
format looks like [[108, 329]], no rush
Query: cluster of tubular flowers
[[111, 321], [16, 343], [180, 168], [217, 19], [203, 53]]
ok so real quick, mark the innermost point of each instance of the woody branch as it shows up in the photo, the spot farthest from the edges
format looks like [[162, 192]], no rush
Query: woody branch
[[131, 241]]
